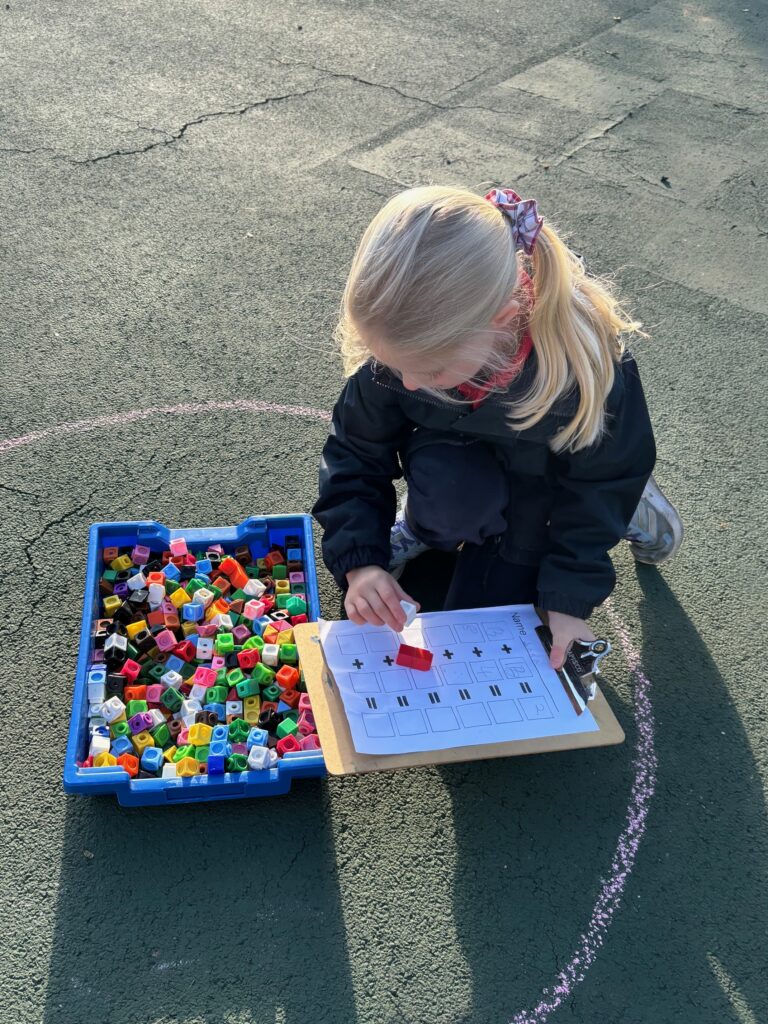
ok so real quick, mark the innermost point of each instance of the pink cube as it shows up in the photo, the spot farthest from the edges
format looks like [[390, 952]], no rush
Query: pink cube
[[254, 609], [204, 676], [131, 670], [154, 693], [241, 633], [304, 703], [168, 607], [165, 640], [218, 662], [311, 742], [182, 738], [178, 547], [307, 723], [281, 625], [140, 555], [205, 629], [239, 748]]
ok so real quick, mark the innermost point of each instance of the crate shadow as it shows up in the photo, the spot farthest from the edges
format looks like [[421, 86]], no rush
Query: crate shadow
[[200, 912]]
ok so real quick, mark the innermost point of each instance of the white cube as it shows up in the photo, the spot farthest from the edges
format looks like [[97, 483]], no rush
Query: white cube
[[204, 648], [234, 707], [112, 709], [171, 678], [224, 622], [258, 758], [203, 596], [254, 588], [137, 581], [157, 716], [198, 692], [99, 745], [169, 771], [410, 612], [270, 654], [97, 693], [156, 593]]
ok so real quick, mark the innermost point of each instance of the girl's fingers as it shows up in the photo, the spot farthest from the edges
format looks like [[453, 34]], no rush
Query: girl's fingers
[[354, 615], [396, 615], [381, 608], [365, 609]]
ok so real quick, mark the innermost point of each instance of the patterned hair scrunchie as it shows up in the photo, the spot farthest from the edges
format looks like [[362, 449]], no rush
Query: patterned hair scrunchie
[[522, 214]]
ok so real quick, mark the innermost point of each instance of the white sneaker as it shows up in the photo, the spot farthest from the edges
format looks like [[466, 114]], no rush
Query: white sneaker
[[656, 530], [405, 545]]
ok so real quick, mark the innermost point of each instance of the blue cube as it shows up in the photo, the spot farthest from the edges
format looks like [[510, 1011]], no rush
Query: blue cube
[[192, 612], [257, 738], [152, 759], [122, 745]]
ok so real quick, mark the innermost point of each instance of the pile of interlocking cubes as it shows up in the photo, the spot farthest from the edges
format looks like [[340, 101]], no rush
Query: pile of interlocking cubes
[[195, 670]]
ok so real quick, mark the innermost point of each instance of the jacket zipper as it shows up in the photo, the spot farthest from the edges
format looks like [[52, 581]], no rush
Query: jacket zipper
[[412, 394]]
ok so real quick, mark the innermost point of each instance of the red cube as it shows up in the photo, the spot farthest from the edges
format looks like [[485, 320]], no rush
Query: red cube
[[414, 657]]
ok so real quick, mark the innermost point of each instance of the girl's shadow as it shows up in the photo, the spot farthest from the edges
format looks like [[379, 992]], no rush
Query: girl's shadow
[[535, 837]]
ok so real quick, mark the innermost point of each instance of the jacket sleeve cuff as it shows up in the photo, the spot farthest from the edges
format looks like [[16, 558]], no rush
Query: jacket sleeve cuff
[[565, 604], [355, 558]]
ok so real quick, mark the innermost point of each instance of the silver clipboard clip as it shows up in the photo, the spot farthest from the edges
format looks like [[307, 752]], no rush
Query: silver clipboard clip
[[582, 665]]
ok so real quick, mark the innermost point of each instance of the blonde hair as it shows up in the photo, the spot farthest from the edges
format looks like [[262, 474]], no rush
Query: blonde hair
[[437, 263]]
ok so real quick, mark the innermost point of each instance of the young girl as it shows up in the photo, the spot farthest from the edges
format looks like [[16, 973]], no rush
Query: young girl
[[485, 365]]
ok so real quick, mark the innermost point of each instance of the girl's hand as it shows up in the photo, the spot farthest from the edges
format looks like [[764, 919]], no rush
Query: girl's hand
[[374, 597], [565, 629]]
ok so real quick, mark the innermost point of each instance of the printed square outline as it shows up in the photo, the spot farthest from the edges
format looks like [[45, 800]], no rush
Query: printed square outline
[[468, 632], [505, 711], [395, 680], [473, 715], [441, 719], [351, 643], [439, 636], [364, 682], [531, 712], [378, 726], [381, 643], [485, 671], [514, 668], [457, 674], [410, 723], [496, 630]]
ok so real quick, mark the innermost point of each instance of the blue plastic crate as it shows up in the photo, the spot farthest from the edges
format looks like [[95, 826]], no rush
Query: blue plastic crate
[[260, 533]]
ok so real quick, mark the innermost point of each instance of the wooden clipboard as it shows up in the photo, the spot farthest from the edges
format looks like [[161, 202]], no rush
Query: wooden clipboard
[[339, 752]]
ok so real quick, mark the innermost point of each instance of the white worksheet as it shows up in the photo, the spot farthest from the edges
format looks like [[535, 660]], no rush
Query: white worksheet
[[490, 682]]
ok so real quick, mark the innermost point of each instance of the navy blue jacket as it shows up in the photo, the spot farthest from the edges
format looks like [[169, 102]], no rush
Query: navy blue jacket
[[566, 511]]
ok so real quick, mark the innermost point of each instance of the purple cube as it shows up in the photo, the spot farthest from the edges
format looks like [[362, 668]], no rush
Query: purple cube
[[140, 555]]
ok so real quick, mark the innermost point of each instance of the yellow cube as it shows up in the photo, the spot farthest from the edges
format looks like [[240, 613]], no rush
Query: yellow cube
[[188, 627], [282, 587], [200, 734], [135, 627], [285, 636], [120, 563], [187, 766], [141, 741], [111, 604], [168, 754], [270, 635], [180, 597], [104, 759]]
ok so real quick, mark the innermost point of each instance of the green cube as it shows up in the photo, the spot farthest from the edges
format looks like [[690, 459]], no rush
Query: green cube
[[235, 676], [279, 571], [263, 674], [238, 730], [186, 751], [172, 699], [216, 695], [296, 606], [236, 763], [247, 688], [271, 692], [201, 753], [120, 729], [194, 585], [134, 707], [282, 601], [225, 643], [253, 643], [161, 735], [289, 654], [287, 728]]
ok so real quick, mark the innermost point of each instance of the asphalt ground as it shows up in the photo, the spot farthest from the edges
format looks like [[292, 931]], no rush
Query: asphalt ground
[[182, 187]]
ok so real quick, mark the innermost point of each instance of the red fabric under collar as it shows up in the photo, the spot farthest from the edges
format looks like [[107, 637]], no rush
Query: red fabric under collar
[[478, 394]]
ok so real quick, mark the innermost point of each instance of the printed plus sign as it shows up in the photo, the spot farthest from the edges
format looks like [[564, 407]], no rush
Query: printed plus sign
[[388, 660], [477, 652], [448, 654], [507, 649], [357, 663]]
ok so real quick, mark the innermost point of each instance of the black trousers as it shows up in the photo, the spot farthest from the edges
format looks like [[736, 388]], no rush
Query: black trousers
[[458, 495]]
